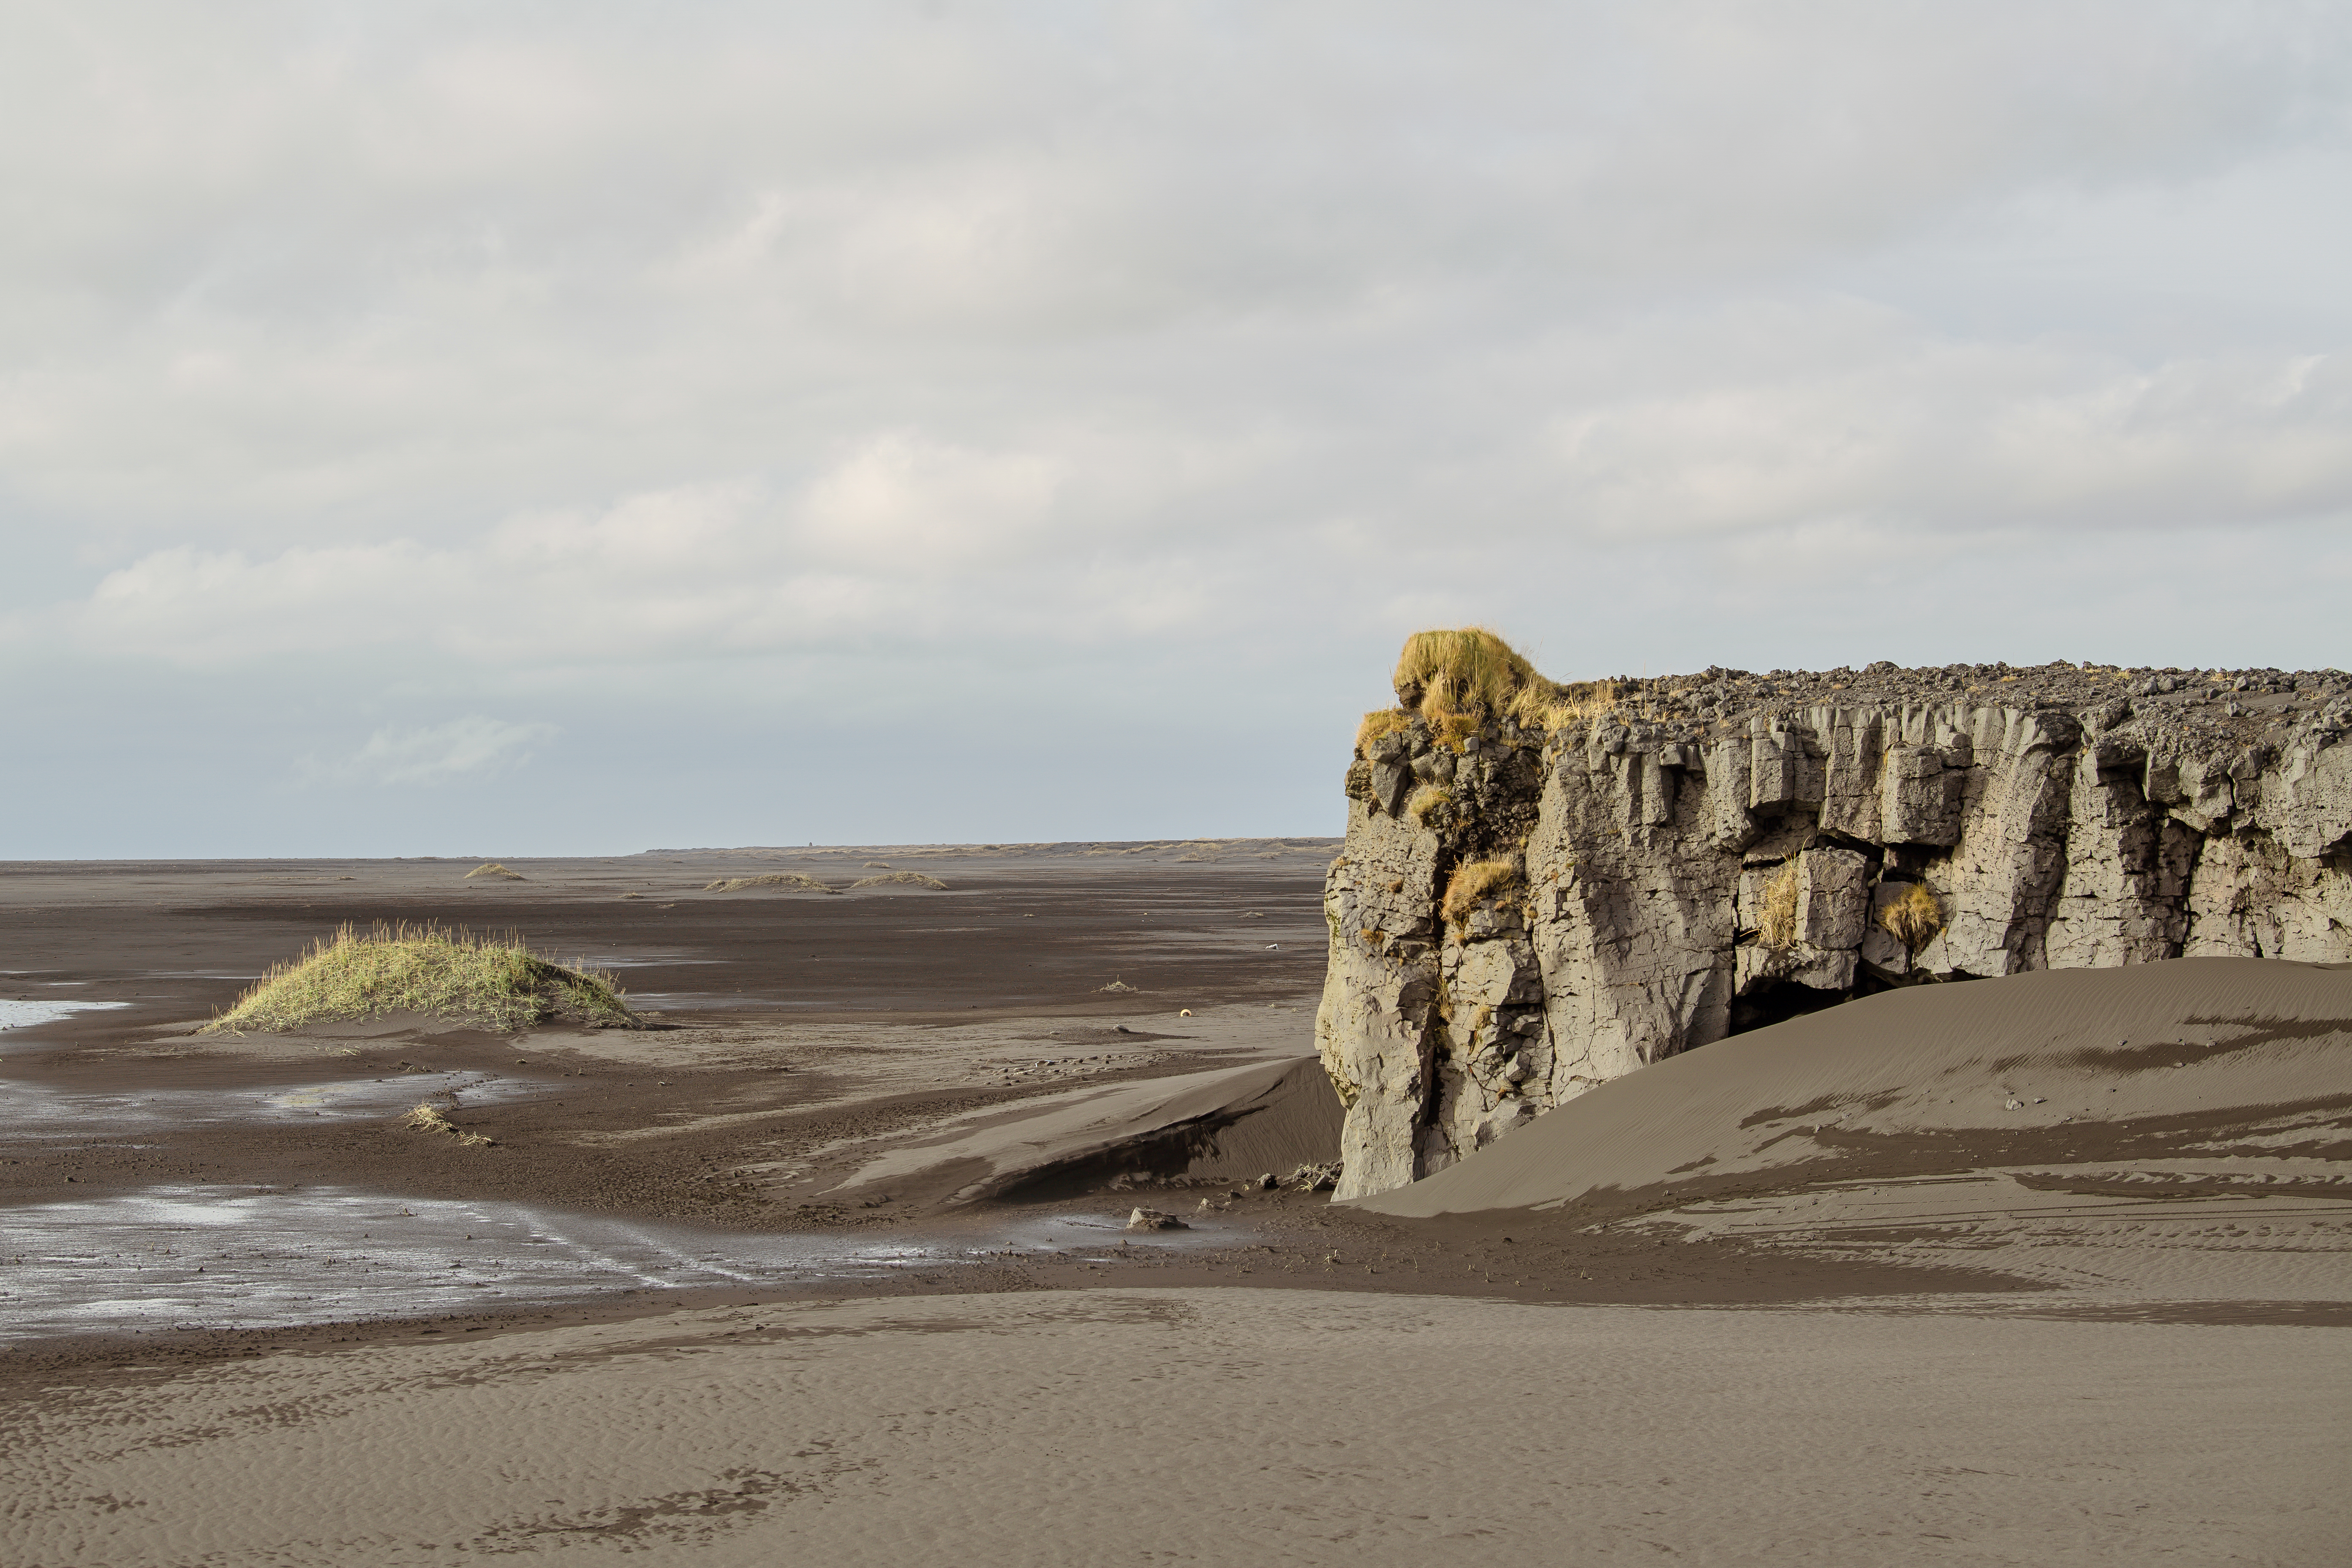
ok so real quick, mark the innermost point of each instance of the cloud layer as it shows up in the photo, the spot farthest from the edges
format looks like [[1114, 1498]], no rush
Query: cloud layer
[[829, 369]]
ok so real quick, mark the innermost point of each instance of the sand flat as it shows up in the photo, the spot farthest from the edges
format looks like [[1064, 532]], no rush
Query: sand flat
[[1214, 1426]]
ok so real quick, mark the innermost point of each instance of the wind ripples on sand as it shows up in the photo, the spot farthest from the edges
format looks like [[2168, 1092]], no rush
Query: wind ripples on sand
[[195, 1256]]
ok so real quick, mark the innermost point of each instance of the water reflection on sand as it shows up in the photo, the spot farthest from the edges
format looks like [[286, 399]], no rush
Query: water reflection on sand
[[34, 1113], [211, 1257]]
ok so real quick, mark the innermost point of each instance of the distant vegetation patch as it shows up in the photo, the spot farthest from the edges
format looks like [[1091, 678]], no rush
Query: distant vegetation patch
[[907, 879], [492, 868], [497, 982], [792, 879]]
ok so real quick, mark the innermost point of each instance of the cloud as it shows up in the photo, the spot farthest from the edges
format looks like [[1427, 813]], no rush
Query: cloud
[[821, 361], [1829, 418], [471, 748]]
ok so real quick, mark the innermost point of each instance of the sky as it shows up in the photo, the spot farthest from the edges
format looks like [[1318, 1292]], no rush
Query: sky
[[515, 428]]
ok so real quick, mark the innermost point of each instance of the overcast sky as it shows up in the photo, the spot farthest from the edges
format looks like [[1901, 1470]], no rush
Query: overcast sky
[[513, 428]]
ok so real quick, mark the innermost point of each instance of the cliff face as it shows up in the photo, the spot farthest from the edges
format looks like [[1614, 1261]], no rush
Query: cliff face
[[1710, 852]]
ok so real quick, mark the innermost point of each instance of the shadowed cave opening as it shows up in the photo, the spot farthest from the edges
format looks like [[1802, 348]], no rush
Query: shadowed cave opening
[[1777, 1002]]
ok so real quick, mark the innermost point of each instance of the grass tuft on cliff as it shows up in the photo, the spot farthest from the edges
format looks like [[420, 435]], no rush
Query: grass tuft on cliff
[[1473, 882], [1458, 680], [1466, 670], [1913, 917], [1380, 721], [792, 879], [1776, 922], [497, 983]]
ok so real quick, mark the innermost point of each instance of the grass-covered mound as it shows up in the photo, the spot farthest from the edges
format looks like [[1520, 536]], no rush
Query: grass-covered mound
[[906, 879], [496, 983], [792, 879], [492, 868]]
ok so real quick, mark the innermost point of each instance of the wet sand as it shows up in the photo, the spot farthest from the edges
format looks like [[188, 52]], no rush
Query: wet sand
[[831, 1258]]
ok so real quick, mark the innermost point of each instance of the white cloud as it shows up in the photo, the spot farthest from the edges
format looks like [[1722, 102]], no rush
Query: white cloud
[[446, 356], [474, 747]]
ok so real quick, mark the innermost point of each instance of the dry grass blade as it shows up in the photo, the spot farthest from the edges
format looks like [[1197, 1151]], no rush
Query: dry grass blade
[[792, 879], [906, 879], [497, 982]]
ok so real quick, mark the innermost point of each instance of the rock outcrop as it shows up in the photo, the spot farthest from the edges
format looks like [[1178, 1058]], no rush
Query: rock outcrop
[[1530, 906]]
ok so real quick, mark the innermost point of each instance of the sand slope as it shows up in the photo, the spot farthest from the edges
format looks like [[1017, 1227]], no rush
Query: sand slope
[[1230, 1122], [2198, 1075], [1211, 1426]]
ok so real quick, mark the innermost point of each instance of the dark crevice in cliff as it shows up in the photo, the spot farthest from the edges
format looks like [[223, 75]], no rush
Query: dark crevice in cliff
[[1777, 1002]]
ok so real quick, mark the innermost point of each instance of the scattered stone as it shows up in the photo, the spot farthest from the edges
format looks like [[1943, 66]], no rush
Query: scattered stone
[[1153, 1219], [1320, 1178]]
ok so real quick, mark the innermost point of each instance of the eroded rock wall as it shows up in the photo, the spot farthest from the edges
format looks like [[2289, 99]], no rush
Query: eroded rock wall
[[2072, 828]]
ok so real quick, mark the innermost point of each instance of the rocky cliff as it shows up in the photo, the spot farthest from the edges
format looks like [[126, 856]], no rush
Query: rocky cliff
[[1543, 889]]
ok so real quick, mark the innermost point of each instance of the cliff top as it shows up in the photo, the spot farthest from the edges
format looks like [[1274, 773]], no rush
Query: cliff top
[[2219, 706], [2210, 709]]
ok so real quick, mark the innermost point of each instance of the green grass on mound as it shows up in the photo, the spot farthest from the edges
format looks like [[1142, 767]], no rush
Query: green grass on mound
[[496, 983]]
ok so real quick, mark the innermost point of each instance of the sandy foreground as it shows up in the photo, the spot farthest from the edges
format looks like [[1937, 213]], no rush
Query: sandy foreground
[[1216, 1426], [827, 1266]]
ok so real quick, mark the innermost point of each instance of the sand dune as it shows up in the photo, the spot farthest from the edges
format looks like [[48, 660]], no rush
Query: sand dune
[[2243, 1068]]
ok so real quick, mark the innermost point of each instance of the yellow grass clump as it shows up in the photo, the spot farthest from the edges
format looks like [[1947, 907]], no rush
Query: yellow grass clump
[[910, 878], [1554, 706], [1776, 922], [1469, 669], [492, 868], [497, 982], [1377, 722], [1472, 882], [428, 1118], [1459, 679], [1426, 799], [792, 879], [1913, 917]]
